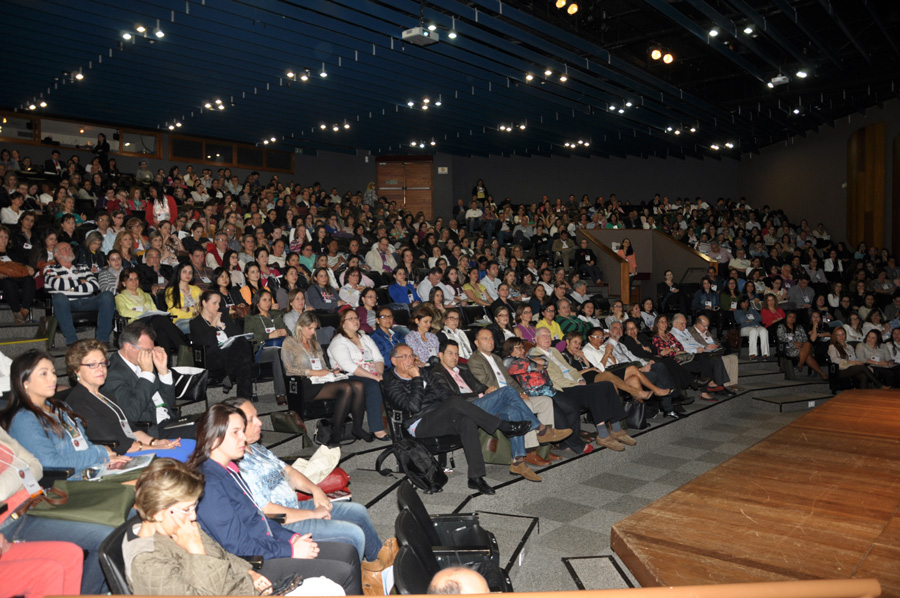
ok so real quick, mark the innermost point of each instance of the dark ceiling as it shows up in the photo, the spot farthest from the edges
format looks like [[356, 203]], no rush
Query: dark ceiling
[[241, 51]]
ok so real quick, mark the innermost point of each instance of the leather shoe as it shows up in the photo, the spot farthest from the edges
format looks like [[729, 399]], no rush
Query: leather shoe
[[523, 470], [730, 391], [679, 410], [480, 485], [281, 400], [551, 456], [714, 388], [684, 400], [610, 443], [532, 458], [553, 435], [512, 429], [623, 437], [672, 414]]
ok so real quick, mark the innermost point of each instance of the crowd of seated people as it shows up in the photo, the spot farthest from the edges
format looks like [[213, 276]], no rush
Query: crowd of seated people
[[370, 304]]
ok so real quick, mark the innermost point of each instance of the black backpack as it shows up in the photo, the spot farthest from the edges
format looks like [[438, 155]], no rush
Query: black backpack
[[414, 460]]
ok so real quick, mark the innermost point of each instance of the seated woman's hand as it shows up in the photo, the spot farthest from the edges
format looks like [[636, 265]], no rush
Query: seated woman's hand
[[261, 583], [304, 547], [187, 535], [119, 459]]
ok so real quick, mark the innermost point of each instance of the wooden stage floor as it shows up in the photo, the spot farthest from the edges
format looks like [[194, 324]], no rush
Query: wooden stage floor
[[818, 499]]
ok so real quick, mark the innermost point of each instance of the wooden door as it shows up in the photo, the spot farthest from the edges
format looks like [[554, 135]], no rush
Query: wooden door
[[408, 180]]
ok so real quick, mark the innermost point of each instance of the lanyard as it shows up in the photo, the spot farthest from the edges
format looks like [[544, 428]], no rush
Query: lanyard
[[239, 480]]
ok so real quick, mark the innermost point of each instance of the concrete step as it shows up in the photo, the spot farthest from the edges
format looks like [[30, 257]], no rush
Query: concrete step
[[798, 401]]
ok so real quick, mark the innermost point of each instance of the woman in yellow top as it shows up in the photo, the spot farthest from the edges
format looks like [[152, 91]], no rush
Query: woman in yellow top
[[133, 303], [548, 313], [183, 298], [475, 291], [626, 252]]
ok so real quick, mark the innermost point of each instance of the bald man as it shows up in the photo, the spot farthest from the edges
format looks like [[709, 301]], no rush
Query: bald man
[[458, 580]]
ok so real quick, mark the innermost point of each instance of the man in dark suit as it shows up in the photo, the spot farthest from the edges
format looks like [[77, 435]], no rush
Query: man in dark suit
[[54, 166], [139, 380], [431, 410], [154, 276]]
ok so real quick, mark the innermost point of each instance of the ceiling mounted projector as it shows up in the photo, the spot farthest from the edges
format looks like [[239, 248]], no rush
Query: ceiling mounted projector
[[780, 80], [420, 36]]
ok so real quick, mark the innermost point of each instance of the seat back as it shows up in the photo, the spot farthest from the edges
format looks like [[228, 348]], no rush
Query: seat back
[[306, 408], [408, 500], [409, 533], [112, 561], [409, 574]]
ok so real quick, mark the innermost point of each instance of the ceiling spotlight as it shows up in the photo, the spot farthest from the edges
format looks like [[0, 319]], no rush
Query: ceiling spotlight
[[452, 34], [669, 129], [612, 107], [421, 145], [678, 131], [81, 131], [335, 128], [796, 111], [207, 105], [265, 142], [621, 111], [43, 104], [587, 144], [346, 125], [802, 74], [655, 53], [433, 143], [323, 126], [272, 139], [548, 72], [305, 75], [729, 145], [714, 32], [560, 3], [177, 124], [171, 127], [412, 143], [140, 29], [410, 103], [529, 77], [573, 8], [748, 29], [693, 129], [126, 36], [522, 127], [424, 106], [323, 74], [567, 144], [668, 58], [218, 101], [221, 106], [437, 103], [432, 27], [563, 78], [79, 76], [290, 74], [425, 100], [770, 85], [32, 107], [159, 33], [628, 104], [714, 147]]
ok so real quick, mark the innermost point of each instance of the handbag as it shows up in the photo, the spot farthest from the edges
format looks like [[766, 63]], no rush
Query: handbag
[[325, 431], [190, 384], [289, 422], [103, 503], [636, 414], [684, 357], [495, 448]]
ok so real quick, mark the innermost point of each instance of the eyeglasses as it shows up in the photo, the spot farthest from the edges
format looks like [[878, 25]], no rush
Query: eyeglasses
[[94, 366], [189, 510], [384, 316], [406, 356]]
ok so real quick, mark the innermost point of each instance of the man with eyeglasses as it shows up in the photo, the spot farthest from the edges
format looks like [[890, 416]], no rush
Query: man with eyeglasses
[[140, 381], [430, 410]]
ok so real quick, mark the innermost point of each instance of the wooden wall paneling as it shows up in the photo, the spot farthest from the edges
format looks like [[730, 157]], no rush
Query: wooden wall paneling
[[419, 188], [408, 180], [895, 199], [866, 149]]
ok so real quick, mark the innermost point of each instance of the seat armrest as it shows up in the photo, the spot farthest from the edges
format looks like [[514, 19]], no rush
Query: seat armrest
[[279, 518], [51, 474], [256, 561], [142, 425], [3, 508]]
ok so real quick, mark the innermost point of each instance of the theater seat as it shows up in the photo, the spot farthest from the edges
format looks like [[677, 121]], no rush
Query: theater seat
[[112, 561]]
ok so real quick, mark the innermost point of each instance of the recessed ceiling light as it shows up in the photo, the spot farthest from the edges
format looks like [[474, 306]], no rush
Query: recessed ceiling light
[[655, 53], [573, 8], [802, 74], [81, 131], [668, 58]]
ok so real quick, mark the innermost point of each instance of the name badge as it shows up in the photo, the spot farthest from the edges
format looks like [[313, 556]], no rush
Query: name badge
[[221, 337], [28, 480], [410, 295], [205, 280], [734, 305], [708, 304], [714, 287], [316, 363], [751, 317], [270, 330], [79, 442], [138, 308], [4, 258], [26, 245]]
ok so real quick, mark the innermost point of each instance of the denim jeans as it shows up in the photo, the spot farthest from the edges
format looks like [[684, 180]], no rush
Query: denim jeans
[[88, 536], [104, 304], [506, 404], [373, 403], [349, 524]]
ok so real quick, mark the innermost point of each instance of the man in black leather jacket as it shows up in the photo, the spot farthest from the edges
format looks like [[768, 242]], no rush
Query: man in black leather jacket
[[432, 411]]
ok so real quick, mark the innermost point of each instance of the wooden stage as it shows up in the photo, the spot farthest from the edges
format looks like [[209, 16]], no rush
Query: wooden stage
[[818, 499]]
